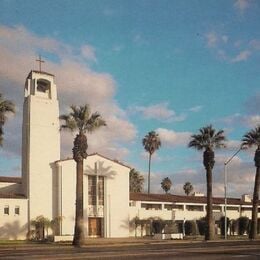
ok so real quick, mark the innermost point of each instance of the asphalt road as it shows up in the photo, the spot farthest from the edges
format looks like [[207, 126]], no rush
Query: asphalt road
[[150, 250]]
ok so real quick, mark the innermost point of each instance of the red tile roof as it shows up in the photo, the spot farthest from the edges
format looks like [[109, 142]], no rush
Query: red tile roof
[[12, 196], [11, 179], [183, 199]]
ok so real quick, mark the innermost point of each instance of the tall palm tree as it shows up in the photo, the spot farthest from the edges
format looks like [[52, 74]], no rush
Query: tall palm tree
[[136, 181], [166, 184], [188, 188], [151, 143], [252, 138], [81, 120], [208, 139], [6, 107]]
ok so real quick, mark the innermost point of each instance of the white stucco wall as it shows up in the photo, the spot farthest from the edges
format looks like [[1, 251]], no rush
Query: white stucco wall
[[41, 145], [116, 199], [135, 210], [66, 195], [13, 226]]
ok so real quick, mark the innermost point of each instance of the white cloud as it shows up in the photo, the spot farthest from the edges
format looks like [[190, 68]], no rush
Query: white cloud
[[242, 56], [196, 109], [76, 83], [224, 38], [253, 103], [212, 39], [221, 45], [159, 112], [249, 121], [171, 138], [139, 40], [233, 145], [118, 48], [222, 54], [240, 176], [232, 119], [255, 44], [253, 120], [242, 5], [88, 52]]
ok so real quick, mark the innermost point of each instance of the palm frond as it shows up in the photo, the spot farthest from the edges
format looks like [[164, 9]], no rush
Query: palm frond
[[94, 122], [207, 138], [151, 142], [80, 118], [251, 138], [6, 107], [1, 136], [68, 123]]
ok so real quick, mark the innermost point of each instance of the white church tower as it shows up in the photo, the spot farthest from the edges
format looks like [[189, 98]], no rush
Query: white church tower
[[40, 143]]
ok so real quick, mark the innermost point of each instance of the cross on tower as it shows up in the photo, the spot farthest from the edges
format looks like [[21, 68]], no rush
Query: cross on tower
[[40, 62]]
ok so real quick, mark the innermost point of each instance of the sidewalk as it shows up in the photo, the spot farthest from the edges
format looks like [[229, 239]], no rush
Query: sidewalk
[[139, 241]]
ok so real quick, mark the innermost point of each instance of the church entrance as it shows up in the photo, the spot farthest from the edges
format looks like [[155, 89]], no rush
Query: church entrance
[[95, 227]]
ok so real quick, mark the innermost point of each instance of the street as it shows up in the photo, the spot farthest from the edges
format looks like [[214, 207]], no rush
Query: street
[[152, 250]]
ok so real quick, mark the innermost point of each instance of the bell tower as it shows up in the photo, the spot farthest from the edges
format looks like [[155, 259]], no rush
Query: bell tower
[[40, 142]]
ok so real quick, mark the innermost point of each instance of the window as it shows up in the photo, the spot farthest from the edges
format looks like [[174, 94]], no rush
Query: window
[[149, 206], [100, 190], [246, 209], [216, 208], [17, 210], [92, 190], [194, 208], [95, 190], [168, 206], [6, 210], [173, 207], [43, 85], [233, 208]]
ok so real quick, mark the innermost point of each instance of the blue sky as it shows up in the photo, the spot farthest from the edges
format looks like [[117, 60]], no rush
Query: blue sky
[[169, 66]]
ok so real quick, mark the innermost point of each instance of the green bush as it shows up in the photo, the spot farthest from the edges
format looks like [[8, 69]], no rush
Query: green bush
[[190, 227], [222, 225], [234, 226], [201, 224], [243, 225], [258, 226], [157, 226]]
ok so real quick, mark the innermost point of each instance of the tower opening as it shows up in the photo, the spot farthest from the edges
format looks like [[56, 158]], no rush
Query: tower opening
[[44, 87]]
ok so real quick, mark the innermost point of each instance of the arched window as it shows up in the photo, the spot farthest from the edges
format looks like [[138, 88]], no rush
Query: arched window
[[43, 85]]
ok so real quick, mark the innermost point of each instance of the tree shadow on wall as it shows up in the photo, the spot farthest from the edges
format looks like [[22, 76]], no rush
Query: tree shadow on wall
[[101, 170], [12, 230]]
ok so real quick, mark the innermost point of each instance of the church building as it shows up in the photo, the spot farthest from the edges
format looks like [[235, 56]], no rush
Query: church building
[[48, 185]]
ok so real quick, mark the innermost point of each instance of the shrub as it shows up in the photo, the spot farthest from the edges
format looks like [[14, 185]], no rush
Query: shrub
[[234, 226], [258, 226], [190, 227], [243, 223], [157, 226], [201, 223], [187, 227], [222, 225], [171, 228]]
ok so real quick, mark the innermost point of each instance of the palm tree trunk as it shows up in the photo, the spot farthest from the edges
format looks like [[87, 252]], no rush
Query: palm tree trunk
[[149, 173], [78, 239], [253, 227], [210, 232]]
